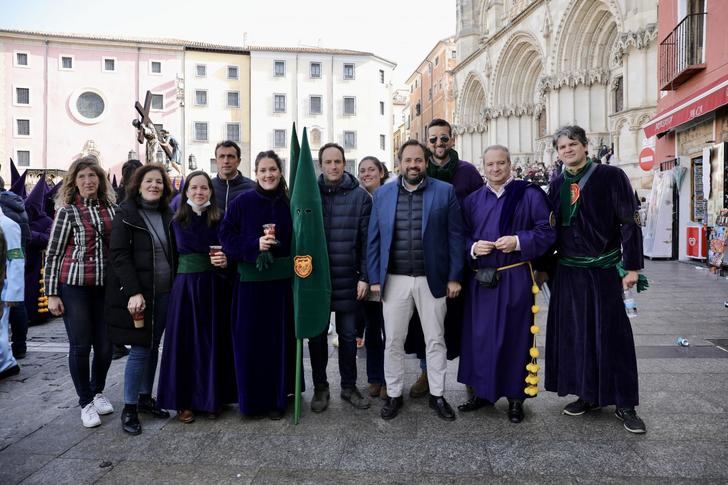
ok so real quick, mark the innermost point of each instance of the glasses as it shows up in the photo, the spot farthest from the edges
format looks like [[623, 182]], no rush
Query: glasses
[[443, 139]]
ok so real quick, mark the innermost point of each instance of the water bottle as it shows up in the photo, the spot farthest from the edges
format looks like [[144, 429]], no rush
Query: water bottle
[[682, 342], [629, 304]]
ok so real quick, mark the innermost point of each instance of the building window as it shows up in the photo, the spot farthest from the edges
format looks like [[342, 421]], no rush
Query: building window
[[279, 138], [21, 58], [201, 97], [155, 67], [315, 105], [233, 72], [542, 123], [429, 93], [233, 131], [619, 95], [381, 76], [22, 95], [382, 142], [437, 60], [213, 165], [66, 63], [279, 68], [381, 108], [90, 105], [454, 54], [349, 105], [316, 70], [109, 64], [233, 99], [23, 127], [201, 70], [348, 71], [315, 138], [23, 158], [350, 139], [279, 103], [200, 131], [158, 101]]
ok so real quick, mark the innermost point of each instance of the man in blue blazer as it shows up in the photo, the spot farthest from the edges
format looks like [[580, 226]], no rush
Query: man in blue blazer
[[415, 258]]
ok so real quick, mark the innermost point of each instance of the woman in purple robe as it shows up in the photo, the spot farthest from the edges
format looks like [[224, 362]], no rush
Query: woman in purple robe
[[262, 312], [507, 225], [195, 375]]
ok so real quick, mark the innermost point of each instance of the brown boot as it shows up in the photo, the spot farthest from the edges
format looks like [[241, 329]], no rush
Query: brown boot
[[420, 388], [375, 389]]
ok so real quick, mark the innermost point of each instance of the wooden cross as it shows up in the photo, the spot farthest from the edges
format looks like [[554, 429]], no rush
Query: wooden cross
[[147, 121]]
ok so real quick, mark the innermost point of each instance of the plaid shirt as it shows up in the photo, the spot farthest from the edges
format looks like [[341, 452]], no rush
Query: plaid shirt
[[79, 246]]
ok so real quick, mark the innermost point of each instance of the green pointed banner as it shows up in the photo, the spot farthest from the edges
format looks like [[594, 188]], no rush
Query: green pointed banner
[[311, 280], [295, 153]]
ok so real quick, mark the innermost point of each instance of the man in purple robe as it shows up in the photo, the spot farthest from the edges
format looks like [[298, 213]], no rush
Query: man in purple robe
[[506, 225], [589, 344]]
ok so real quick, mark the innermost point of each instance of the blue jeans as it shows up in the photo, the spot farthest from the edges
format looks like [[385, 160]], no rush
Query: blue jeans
[[141, 364], [374, 341], [83, 317], [318, 349]]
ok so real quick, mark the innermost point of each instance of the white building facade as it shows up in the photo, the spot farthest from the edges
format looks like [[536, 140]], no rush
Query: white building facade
[[339, 96], [528, 67]]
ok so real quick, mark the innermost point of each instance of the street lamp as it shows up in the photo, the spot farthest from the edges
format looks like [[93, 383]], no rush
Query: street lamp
[[192, 162]]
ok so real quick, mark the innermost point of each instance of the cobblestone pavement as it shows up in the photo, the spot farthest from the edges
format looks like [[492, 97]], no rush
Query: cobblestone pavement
[[683, 402]]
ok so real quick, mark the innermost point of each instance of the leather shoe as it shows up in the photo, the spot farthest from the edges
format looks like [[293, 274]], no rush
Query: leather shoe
[[391, 407], [148, 405], [473, 404], [515, 411], [444, 411], [320, 400], [130, 422], [186, 416]]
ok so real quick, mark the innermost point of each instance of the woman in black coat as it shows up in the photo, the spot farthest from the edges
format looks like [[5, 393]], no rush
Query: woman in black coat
[[142, 269]]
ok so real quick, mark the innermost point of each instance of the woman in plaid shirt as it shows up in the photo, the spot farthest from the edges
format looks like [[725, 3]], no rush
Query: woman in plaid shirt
[[75, 270]]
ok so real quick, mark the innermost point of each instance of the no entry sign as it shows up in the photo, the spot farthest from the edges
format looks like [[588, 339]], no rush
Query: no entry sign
[[647, 159]]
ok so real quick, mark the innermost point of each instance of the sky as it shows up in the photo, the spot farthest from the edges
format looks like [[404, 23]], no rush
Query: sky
[[402, 31]]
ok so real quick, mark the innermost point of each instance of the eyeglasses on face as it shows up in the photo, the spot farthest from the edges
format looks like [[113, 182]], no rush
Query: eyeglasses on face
[[443, 139]]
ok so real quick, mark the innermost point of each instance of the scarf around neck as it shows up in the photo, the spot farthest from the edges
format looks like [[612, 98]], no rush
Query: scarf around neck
[[570, 195]]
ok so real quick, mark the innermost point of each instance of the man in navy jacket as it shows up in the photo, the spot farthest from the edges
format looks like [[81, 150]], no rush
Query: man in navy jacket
[[415, 258]]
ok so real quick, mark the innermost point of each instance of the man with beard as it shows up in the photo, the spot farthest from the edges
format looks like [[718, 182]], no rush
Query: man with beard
[[415, 259], [444, 164]]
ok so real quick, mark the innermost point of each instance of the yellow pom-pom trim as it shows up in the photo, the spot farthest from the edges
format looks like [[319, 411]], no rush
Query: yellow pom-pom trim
[[535, 290], [531, 391], [533, 352], [532, 379], [535, 329], [535, 309]]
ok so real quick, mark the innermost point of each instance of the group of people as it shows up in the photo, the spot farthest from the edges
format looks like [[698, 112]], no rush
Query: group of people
[[433, 261]]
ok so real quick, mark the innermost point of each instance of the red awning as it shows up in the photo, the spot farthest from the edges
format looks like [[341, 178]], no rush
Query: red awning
[[703, 102]]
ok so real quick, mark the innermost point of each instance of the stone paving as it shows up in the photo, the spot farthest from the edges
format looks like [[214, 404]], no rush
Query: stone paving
[[683, 402]]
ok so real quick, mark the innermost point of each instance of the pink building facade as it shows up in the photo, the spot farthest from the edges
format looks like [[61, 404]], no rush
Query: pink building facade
[[66, 96]]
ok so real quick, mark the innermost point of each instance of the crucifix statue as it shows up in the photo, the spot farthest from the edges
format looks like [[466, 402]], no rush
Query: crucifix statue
[[147, 131]]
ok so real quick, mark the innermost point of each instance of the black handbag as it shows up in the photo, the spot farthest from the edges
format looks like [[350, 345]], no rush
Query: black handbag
[[487, 277]]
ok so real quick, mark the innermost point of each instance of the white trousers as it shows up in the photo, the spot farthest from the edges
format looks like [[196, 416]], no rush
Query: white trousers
[[401, 295]]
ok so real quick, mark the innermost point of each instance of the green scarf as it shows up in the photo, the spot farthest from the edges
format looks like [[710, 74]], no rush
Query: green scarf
[[569, 210], [446, 171]]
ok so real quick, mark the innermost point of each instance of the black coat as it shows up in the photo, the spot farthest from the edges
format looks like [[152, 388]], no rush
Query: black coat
[[131, 271], [346, 210]]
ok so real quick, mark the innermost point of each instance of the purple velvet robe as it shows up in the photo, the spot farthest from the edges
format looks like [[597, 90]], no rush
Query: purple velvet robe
[[589, 344], [262, 311], [197, 370], [496, 327]]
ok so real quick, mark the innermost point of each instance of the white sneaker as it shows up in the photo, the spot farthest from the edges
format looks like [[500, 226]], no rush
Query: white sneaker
[[102, 405], [89, 416]]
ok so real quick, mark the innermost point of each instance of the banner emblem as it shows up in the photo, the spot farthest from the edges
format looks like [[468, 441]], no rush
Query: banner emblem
[[303, 266]]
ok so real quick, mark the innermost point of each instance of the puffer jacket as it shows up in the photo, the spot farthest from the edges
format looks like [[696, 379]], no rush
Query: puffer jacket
[[132, 271], [346, 210], [407, 256]]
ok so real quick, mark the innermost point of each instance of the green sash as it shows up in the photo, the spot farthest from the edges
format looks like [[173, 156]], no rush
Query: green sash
[[281, 269], [194, 263], [612, 259]]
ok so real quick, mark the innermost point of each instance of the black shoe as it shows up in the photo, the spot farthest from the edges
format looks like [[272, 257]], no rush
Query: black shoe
[[579, 407], [391, 407], [354, 397], [632, 422], [473, 404], [320, 400], [130, 422], [148, 405], [119, 352], [19, 354], [443, 409], [515, 411], [10, 371]]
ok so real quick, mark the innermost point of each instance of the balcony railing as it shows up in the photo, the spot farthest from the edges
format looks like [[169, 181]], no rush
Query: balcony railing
[[681, 53]]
